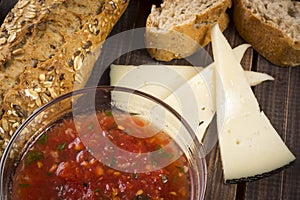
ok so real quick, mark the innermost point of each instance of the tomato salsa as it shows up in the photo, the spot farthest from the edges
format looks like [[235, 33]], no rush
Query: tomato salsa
[[65, 162]]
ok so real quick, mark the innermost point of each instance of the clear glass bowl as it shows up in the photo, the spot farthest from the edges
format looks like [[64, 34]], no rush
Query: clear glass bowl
[[118, 99]]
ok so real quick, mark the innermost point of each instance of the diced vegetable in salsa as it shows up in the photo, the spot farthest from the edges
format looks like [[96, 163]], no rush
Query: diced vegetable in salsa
[[60, 166]]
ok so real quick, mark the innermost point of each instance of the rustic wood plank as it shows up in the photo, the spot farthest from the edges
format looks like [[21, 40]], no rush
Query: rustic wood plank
[[279, 100], [5, 7]]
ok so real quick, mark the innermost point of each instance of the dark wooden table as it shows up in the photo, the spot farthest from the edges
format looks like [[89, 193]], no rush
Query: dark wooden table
[[279, 99]]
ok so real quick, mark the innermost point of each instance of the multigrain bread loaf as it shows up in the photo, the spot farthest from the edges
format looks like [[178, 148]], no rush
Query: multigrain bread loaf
[[272, 27], [43, 45], [178, 27], [34, 31]]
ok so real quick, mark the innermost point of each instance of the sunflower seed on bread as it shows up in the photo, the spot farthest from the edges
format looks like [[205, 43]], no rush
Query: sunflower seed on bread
[[57, 40]]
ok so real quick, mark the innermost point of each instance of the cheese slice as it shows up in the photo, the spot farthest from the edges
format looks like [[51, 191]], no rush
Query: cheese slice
[[162, 80], [189, 90], [255, 78], [194, 100], [250, 146], [157, 80]]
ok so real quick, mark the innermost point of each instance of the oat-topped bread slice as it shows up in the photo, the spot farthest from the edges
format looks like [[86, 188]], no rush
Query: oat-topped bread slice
[[60, 43], [178, 27], [272, 27]]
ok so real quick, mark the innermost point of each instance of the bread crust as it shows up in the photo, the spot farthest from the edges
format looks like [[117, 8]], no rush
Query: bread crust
[[68, 69], [269, 41], [35, 31], [183, 40]]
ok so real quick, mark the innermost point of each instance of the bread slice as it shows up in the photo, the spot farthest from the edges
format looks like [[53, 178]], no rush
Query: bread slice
[[272, 27], [178, 27], [57, 43]]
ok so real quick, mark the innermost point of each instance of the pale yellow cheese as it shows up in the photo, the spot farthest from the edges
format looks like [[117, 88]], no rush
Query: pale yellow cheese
[[189, 90], [249, 144]]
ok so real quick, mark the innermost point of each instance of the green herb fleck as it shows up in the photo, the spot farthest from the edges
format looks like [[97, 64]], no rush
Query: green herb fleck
[[33, 156], [49, 174], [113, 162], [142, 197], [128, 131], [24, 185], [163, 152], [174, 179], [43, 139], [108, 113], [167, 155], [163, 178], [61, 146], [91, 126], [135, 175], [154, 161], [114, 125], [180, 169], [157, 147], [97, 191]]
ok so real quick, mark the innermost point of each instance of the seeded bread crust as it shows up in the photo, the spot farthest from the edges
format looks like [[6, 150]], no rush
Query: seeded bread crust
[[42, 72], [34, 31], [182, 40], [268, 39]]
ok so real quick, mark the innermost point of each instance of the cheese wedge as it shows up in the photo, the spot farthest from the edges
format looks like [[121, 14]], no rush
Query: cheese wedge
[[250, 146], [195, 99]]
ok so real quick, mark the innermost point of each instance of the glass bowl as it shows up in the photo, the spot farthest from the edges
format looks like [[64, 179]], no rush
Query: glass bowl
[[119, 101]]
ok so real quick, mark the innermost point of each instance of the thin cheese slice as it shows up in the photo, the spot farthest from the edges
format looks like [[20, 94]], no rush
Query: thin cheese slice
[[194, 100], [143, 78], [157, 80], [250, 146], [162, 80], [189, 90]]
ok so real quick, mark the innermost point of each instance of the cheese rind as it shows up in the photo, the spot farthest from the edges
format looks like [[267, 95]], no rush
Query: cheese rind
[[249, 144]]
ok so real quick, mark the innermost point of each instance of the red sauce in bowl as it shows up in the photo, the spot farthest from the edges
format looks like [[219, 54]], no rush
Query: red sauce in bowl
[[59, 166]]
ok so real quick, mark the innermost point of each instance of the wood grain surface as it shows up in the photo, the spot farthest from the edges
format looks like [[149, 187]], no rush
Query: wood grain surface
[[279, 99]]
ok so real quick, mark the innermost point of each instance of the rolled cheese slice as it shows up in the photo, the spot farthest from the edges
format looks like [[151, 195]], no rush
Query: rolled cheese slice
[[250, 146]]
